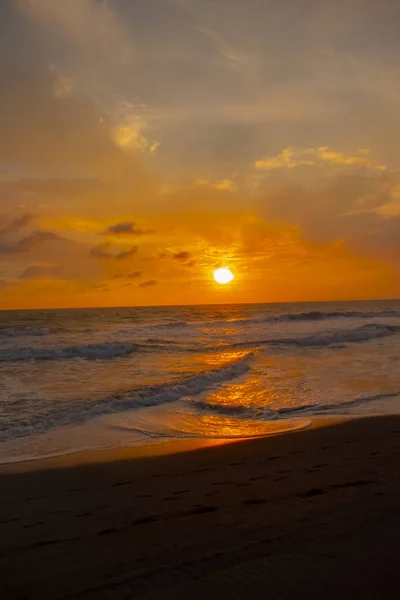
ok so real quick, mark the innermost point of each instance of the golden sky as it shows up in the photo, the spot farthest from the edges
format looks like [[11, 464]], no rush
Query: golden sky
[[145, 143]]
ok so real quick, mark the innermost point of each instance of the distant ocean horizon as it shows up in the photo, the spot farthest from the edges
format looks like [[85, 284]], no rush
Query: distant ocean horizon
[[88, 378], [207, 304]]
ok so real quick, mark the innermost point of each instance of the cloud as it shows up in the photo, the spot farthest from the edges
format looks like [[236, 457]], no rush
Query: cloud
[[32, 241], [130, 275], [102, 252], [89, 27], [231, 56], [39, 272], [149, 283], [351, 205], [182, 256], [221, 185], [16, 224], [63, 86], [38, 133], [126, 228], [252, 168], [291, 158], [282, 160], [339, 158], [128, 132], [126, 254]]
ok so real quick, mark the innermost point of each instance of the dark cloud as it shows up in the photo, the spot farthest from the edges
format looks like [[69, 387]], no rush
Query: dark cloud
[[126, 254], [38, 238], [16, 224], [126, 228], [183, 255], [102, 252], [32, 241], [134, 274], [148, 283], [38, 272]]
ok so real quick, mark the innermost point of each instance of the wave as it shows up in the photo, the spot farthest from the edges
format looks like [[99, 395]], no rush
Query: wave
[[10, 332], [173, 325], [320, 315], [267, 413], [112, 350], [311, 316], [61, 414], [332, 408], [88, 352], [22, 330], [364, 333], [315, 315], [359, 334]]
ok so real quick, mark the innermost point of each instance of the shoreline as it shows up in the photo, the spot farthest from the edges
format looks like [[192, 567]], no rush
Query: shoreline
[[311, 513], [166, 447]]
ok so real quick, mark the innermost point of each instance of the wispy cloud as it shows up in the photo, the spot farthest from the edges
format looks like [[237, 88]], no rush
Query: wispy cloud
[[222, 185], [92, 28], [231, 56], [291, 158]]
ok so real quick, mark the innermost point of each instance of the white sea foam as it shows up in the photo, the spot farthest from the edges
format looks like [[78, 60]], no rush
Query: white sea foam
[[267, 413], [63, 370], [61, 414]]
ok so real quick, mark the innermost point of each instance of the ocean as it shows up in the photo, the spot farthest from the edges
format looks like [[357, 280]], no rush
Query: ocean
[[81, 379]]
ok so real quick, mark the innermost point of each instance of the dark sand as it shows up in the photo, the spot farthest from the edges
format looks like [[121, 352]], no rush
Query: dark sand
[[313, 514]]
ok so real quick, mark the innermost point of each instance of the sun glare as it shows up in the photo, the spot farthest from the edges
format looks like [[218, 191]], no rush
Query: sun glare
[[223, 276]]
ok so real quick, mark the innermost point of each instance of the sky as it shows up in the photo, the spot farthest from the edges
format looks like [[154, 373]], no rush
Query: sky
[[145, 143]]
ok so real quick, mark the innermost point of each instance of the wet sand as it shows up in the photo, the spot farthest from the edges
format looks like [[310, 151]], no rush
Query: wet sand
[[310, 514]]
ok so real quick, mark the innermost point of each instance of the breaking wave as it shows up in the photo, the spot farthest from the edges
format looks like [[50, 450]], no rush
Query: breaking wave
[[320, 315], [60, 414], [267, 413], [364, 333], [283, 318], [112, 350]]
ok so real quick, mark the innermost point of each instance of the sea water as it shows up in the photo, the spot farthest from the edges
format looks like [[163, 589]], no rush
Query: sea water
[[97, 378]]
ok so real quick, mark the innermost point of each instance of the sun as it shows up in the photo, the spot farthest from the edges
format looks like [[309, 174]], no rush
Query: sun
[[223, 276]]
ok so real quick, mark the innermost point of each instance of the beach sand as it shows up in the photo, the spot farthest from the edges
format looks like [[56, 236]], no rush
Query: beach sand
[[310, 514]]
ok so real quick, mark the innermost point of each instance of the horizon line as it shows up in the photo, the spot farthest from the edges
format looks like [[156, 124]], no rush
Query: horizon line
[[199, 305]]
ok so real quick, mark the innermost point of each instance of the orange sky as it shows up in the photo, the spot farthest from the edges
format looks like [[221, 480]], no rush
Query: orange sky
[[141, 149]]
